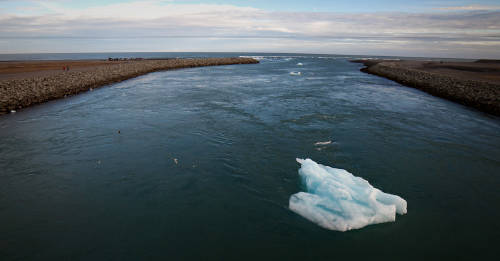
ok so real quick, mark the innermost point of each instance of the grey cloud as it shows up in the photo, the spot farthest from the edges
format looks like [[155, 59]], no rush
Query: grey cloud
[[469, 7], [440, 31], [263, 23]]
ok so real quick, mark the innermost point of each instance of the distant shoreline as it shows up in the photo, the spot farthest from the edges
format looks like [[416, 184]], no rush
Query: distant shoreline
[[26, 83], [474, 84]]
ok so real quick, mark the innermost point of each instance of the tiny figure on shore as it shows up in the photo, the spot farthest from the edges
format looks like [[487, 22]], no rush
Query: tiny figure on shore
[[64, 68]]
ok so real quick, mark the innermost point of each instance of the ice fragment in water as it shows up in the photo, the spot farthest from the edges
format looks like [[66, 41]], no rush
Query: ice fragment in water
[[299, 64], [337, 200], [295, 73], [321, 143]]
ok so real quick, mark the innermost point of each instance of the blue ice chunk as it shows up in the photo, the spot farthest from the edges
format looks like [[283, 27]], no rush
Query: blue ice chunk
[[337, 200]]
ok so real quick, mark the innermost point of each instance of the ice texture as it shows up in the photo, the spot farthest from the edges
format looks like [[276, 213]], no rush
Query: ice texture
[[337, 200]]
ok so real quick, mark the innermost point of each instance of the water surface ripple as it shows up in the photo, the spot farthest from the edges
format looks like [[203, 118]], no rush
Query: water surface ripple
[[204, 165]]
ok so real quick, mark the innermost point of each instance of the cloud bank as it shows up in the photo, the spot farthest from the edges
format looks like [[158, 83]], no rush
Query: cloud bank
[[471, 8], [160, 26]]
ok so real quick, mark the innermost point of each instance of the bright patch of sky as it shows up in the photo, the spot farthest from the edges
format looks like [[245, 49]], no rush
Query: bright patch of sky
[[349, 6], [342, 6]]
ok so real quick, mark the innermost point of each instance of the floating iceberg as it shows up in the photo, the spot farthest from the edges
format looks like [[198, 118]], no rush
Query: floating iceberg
[[337, 200], [299, 64], [295, 73]]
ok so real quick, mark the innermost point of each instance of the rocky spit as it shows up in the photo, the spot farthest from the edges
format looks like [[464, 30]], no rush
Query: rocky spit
[[473, 90], [26, 91]]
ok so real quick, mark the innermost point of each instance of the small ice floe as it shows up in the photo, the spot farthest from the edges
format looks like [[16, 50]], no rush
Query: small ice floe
[[12, 111], [300, 64], [176, 161], [337, 200], [323, 143], [295, 73]]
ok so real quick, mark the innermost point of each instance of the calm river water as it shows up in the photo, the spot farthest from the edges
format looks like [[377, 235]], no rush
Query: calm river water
[[200, 164]]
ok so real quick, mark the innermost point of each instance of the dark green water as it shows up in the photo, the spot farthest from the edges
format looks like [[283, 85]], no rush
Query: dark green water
[[73, 188]]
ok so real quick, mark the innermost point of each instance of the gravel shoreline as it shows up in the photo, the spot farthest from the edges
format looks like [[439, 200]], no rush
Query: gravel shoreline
[[26, 91], [475, 90]]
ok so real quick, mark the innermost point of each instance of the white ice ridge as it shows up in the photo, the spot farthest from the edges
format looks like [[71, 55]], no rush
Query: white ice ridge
[[337, 200]]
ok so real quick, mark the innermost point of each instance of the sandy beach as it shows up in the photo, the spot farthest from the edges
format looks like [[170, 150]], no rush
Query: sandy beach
[[25, 83], [474, 84]]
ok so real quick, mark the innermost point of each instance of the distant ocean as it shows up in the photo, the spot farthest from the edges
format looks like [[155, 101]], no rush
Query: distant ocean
[[87, 56]]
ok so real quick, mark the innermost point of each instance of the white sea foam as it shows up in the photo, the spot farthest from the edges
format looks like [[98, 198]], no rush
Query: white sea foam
[[320, 143], [337, 200], [273, 57], [334, 57]]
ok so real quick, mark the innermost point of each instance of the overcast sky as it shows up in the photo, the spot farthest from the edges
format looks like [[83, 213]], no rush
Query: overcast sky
[[432, 28]]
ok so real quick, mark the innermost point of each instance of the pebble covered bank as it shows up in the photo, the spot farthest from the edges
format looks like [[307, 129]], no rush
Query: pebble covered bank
[[23, 92]]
